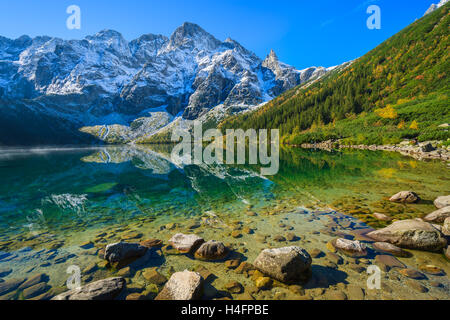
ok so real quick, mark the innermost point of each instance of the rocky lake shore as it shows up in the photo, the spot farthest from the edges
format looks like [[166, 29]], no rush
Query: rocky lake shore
[[431, 150]]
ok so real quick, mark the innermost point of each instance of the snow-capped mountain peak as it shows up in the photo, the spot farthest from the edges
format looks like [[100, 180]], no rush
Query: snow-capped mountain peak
[[193, 37]]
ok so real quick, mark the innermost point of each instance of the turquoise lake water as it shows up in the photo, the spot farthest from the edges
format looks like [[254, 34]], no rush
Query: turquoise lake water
[[54, 200]]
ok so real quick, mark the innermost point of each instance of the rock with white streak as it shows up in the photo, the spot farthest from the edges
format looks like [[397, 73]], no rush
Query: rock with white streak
[[184, 285]]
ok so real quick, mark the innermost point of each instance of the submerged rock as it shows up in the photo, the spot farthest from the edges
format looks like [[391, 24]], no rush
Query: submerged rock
[[234, 287], [205, 273], [350, 248], [125, 272], [186, 243], [212, 250], [5, 271], [232, 264], [438, 216], [91, 267], [417, 286], [405, 197], [87, 245], [135, 297], [236, 234], [264, 283], [10, 285], [4, 255], [35, 290], [120, 251], [184, 285], [279, 238], [288, 264], [334, 258], [37, 278], [386, 262], [244, 267], [390, 248], [442, 202], [151, 243], [107, 289], [355, 292], [316, 253], [411, 234], [431, 269], [153, 276], [413, 274], [335, 295]]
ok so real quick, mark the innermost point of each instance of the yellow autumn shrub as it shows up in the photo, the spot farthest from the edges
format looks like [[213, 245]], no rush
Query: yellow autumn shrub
[[387, 112]]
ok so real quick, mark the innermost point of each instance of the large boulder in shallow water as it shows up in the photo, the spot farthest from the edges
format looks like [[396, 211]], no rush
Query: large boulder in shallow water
[[442, 202], [405, 197], [184, 285], [438, 216], [411, 234], [186, 243], [107, 289], [212, 250], [117, 252], [288, 264], [350, 248]]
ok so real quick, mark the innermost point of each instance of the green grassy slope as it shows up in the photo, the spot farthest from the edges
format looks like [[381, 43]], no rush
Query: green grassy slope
[[398, 90]]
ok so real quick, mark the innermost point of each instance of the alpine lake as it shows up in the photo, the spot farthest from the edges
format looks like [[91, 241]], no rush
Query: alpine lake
[[61, 207]]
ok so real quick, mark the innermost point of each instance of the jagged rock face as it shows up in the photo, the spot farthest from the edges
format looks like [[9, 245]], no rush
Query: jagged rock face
[[104, 79]]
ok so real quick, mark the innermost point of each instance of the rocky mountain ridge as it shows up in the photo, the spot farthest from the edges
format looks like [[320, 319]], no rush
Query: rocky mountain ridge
[[49, 87]]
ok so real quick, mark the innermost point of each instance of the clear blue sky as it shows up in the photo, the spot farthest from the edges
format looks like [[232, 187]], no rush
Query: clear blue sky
[[302, 32]]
